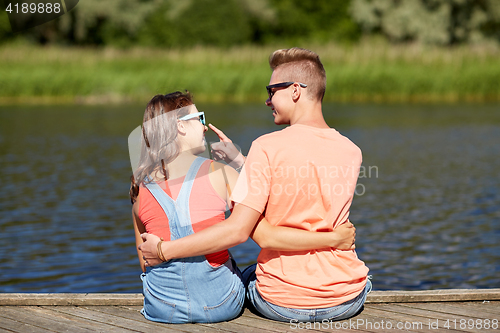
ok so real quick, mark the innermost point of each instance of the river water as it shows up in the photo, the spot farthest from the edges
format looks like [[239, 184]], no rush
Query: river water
[[427, 208]]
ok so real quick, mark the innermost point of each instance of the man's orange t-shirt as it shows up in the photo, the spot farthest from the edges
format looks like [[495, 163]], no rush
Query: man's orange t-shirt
[[304, 177]]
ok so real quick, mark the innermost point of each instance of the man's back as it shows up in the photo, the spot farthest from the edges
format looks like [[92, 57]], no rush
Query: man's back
[[304, 177]]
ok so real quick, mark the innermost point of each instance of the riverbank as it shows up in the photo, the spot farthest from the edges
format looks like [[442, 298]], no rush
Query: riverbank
[[371, 71]]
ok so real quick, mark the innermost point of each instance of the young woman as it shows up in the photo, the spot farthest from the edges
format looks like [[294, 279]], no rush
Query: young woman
[[176, 193]]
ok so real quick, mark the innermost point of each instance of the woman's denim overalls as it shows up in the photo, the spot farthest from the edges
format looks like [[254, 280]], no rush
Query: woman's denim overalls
[[190, 289]]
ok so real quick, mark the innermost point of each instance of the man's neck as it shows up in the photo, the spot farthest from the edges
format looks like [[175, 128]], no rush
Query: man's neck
[[309, 114]]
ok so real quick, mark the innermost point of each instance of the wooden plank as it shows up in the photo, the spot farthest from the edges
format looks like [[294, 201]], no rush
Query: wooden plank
[[453, 309], [127, 318], [390, 313], [256, 322], [201, 327], [443, 295], [71, 299], [381, 324], [405, 321], [488, 306], [394, 296], [134, 314], [336, 326], [88, 325], [52, 320], [425, 316], [10, 325], [368, 320], [276, 326], [379, 320], [252, 320], [2, 330], [457, 318], [120, 323], [360, 323], [374, 314], [247, 319], [231, 326], [6, 331]]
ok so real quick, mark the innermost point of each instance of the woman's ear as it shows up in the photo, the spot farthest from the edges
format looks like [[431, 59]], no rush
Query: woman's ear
[[181, 127]]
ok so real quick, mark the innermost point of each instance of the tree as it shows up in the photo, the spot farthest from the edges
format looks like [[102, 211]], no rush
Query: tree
[[320, 20], [442, 22], [174, 23], [96, 22], [197, 22], [4, 27]]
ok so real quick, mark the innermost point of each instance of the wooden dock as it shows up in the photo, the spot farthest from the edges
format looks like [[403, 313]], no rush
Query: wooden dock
[[454, 310]]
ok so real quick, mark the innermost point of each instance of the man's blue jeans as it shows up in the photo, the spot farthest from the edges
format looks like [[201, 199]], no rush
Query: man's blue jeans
[[343, 311]]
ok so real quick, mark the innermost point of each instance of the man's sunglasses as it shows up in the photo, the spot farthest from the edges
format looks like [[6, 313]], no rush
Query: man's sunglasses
[[271, 91], [201, 116]]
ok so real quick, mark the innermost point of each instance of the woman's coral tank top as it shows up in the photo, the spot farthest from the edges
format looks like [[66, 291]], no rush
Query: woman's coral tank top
[[206, 208]]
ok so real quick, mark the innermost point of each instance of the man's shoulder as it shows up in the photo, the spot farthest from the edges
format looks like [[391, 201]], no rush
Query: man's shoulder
[[348, 142], [302, 137], [270, 138], [274, 134], [299, 132]]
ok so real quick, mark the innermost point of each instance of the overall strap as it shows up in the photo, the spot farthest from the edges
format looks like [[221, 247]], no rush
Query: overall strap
[[168, 206], [182, 201], [177, 211]]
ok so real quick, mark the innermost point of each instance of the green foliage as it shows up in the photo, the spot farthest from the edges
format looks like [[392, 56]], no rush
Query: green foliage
[[185, 23], [5, 33], [442, 22], [199, 22], [96, 22], [213, 22], [174, 23], [320, 20]]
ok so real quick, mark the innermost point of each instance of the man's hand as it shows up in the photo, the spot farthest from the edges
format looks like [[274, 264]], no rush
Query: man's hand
[[226, 150], [149, 249], [344, 236]]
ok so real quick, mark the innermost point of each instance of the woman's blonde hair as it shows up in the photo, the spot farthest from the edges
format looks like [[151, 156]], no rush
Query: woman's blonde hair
[[159, 144], [300, 65]]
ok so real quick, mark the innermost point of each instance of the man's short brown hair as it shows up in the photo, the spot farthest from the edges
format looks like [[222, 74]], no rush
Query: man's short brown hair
[[301, 65]]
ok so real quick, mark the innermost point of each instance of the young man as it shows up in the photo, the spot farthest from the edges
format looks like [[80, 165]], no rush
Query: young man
[[303, 176]]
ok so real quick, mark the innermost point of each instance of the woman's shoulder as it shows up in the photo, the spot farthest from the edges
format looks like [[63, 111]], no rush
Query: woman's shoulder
[[221, 174], [222, 168]]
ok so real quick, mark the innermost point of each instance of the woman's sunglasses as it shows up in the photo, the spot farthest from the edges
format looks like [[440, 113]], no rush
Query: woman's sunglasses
[[201, 116], [271, 91]]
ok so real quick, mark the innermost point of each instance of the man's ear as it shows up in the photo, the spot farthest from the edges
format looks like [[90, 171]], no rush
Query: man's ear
[[296, 92]]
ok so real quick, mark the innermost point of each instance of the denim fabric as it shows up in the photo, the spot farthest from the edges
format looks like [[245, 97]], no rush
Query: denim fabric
[[290, 315], [189, 290]]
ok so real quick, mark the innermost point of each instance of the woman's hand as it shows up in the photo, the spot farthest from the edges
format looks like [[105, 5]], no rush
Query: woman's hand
[[282, 238], [149, 249], [226, 150], [344, 236]]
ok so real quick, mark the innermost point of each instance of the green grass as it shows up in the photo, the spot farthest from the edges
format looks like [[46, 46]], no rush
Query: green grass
[[369, 71]]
